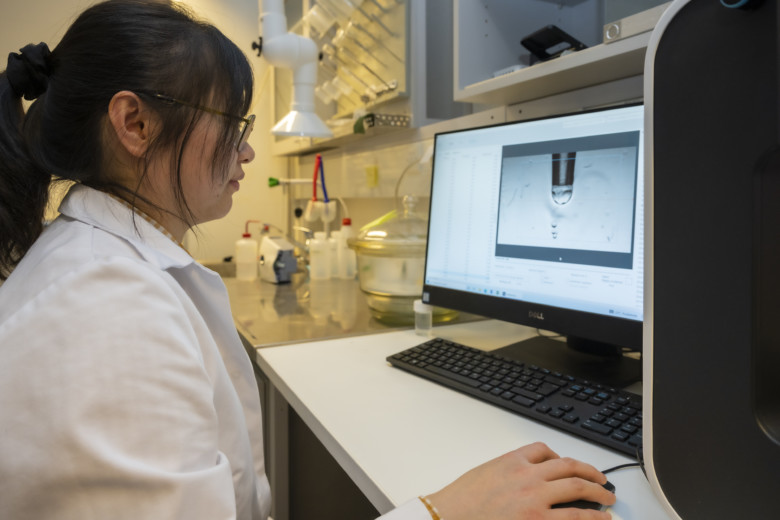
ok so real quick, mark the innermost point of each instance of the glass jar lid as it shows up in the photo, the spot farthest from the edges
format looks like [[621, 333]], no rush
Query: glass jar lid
[[404, 235]]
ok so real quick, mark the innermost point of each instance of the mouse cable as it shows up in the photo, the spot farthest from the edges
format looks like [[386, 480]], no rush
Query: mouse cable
[[639, 464], [622, 466]]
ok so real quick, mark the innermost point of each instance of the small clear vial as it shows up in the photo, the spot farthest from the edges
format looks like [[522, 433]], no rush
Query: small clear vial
[[423, 318]]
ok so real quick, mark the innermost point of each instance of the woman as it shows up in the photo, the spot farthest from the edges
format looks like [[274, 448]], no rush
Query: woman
[[124, 389]]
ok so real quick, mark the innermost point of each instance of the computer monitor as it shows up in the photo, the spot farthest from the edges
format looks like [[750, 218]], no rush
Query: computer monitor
[[540, 222]]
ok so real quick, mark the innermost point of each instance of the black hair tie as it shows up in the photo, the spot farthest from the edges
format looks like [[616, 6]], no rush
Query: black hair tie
[[28, 72]]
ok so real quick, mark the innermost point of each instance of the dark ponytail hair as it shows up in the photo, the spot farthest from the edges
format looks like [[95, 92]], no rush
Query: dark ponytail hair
[[144, 46]]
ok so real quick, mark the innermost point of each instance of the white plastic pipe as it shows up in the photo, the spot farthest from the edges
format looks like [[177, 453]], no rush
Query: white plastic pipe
[[288, 50]]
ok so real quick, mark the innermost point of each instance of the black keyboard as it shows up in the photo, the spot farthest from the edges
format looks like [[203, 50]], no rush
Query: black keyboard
[[605, 415]]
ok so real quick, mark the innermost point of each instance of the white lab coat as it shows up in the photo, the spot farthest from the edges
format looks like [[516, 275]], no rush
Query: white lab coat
[[125, 391]]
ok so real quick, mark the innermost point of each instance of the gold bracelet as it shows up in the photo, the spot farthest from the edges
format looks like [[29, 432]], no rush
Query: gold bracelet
[[431, 508]]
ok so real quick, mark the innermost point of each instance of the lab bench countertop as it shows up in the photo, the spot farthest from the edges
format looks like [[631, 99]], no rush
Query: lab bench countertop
[[268, 314]]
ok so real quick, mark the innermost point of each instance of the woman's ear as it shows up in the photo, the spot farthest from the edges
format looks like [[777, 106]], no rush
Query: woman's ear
[[131, 121]]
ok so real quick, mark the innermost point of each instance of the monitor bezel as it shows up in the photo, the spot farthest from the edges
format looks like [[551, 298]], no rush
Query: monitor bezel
[[621, 332]]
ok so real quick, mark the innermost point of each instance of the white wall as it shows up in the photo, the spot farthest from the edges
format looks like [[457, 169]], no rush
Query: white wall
[[32, 21], [238, 19]]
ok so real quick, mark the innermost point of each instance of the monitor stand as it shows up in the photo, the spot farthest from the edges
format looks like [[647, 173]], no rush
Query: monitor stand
[[595, 362]]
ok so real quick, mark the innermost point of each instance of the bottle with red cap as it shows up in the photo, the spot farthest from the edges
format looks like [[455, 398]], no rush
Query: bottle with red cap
[[246, 258], [345, 256]]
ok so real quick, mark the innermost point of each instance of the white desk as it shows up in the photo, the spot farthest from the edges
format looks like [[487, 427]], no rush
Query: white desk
[[399, 436]]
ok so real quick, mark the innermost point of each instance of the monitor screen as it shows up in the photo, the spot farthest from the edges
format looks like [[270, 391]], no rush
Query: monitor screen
[[540, 222]]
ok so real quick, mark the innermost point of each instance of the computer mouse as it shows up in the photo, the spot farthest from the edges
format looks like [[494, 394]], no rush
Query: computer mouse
[[587, 504]]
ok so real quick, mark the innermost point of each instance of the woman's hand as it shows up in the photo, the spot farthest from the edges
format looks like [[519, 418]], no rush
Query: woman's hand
[[523, 485]]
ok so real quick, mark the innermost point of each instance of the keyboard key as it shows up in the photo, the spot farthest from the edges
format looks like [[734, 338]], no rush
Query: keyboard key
[[523, 401], [596, 427], [547, 389], [620, 436], [571, 418], [526, 393], [557, 381], [456, 377]]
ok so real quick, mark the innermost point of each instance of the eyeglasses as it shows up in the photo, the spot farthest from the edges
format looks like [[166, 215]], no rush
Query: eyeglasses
[[247, 123]]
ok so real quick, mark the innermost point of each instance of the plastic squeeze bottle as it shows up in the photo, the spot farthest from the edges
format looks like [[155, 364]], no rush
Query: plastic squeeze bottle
[[319, 257], [246, 258], [345, 256]]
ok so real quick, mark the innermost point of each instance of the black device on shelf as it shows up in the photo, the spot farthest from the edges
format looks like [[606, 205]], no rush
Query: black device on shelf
[[550, 42], [540, 223]]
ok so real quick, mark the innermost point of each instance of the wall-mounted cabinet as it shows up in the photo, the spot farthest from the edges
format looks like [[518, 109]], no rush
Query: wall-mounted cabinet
[[493, 67], [390, 58], [363, 49]]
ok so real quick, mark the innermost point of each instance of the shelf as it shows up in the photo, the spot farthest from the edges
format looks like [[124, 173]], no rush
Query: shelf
[[592, 66], [373, 125]]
